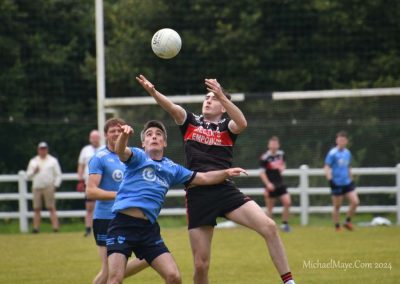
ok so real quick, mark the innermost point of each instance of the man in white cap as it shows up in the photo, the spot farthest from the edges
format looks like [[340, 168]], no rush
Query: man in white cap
[[45, 172]]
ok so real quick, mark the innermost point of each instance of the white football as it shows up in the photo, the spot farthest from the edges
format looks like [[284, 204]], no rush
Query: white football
[[166, 43]]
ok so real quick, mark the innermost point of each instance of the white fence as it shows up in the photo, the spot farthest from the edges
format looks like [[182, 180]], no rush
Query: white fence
[[303, 189]]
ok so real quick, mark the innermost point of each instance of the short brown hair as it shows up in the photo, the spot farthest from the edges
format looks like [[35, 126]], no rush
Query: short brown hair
[[153, 123], [341, 133], [274, 138], [113, 122]]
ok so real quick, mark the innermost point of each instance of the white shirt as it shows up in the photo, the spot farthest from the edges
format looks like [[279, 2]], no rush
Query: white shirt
[[86, 154], [49, 173]]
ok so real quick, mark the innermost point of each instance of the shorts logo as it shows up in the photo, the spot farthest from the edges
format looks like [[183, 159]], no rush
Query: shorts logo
[[149, 174], [118, 175], [110, 241], [121, 240]]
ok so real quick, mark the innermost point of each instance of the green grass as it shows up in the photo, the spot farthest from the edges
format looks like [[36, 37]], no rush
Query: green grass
[[239, 256]]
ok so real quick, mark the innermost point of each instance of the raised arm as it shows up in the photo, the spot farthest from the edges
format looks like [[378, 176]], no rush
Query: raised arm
[[215, 177], [121, 148], [94, 192], [176, 111], [238, 122]]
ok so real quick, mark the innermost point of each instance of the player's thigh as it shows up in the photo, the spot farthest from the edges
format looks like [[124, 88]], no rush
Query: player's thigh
[[102, 250], [252, 216], [269, 201], [352, 197], [286, 200], [200, 241], [337, 200], [165, 265], [116, 265]]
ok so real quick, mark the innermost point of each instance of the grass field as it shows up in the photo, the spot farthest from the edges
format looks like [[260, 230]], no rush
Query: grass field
[[239, 256]]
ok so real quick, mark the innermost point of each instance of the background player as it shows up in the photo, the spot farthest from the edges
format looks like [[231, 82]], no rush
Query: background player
[[208, 143], [105, 175], [338, 173], [85, 155], [272, 165], [148, 176]]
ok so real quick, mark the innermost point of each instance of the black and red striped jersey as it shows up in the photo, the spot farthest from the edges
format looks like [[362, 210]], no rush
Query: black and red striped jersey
[[207, 145], [270, 163]]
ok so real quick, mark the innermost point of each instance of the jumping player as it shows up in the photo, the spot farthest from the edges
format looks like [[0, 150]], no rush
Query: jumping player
[[105, 176], [208, 144], [272, 165], [338, 173], [148, 176]]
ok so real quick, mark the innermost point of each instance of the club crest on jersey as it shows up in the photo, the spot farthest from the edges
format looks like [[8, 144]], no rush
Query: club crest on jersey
[[118, 175], [149, 174]]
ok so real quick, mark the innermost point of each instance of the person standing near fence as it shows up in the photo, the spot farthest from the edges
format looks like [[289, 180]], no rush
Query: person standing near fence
[[85, 155], [272, 165], [45, 172], [338, 173], [208, 144]]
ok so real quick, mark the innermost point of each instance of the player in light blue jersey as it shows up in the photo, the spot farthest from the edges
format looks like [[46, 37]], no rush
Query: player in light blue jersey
[[147, 178], [338, 172], [105, 175]]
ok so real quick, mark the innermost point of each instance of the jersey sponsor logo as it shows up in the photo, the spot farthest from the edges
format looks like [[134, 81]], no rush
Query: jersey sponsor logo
[[118, 175], [208, 136], [149, 174]]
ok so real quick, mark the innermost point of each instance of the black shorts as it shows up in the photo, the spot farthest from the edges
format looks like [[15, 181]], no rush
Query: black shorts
[[338, 190], [100, 228], [205, 203], [127, 234], [280, 189]]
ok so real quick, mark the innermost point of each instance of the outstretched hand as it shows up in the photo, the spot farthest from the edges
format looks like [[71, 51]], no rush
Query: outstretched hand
[[234, 172], [146, 84], [214, 87], [126, 129]]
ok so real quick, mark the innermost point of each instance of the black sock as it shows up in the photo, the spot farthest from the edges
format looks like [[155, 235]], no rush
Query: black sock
[[337, 225], [88, 230], [348, 219], [284, 222]]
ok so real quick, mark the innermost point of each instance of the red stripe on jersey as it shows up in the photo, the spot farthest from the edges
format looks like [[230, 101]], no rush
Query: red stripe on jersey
[[207, 136]]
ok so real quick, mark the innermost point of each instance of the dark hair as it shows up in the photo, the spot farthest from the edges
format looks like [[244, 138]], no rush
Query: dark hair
[[341, 134], [153, 123], [274, 138], [113, 122]]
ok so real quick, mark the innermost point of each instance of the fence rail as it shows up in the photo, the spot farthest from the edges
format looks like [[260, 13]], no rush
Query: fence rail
[[303, 190]]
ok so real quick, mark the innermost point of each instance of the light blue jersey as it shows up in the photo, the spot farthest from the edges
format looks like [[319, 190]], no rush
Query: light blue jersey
[[111, 169], [339, 161], [146, 183]]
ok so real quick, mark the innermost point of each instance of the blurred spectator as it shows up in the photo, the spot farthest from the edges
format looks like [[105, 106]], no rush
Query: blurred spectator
[[85, 155], [45, 172]]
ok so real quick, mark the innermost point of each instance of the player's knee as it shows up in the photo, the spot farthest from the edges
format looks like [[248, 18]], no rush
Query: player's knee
[[201, 265], [355, 202], [114, 280], [173, 277], [269, 229]]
